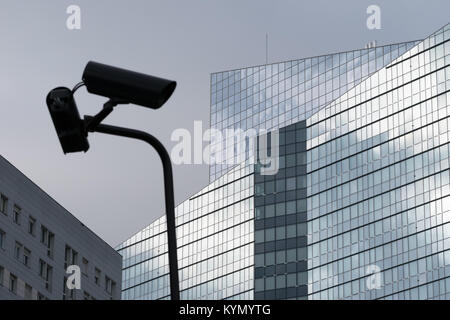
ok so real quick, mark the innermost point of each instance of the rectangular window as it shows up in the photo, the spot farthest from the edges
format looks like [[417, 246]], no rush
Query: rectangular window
[[2, 272], [109, 285], [85, 267], [65, 289], [18, 250], [97, 276], [3, 204], [46, 272], [113, 288], [44, 234], [68, 294], [17, 214], [70, 257], [2, 239], [42, 265], [66, 256], [13, 283], [26, 256], [31, 225], [47, 239], [51, 239]]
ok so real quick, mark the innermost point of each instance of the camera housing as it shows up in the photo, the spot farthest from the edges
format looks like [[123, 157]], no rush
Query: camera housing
[[66, 119], [133, 87]]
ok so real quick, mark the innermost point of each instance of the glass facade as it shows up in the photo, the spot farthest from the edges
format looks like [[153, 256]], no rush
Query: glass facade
[[378, 182], [281, 221], [215, 245], [276, 95], [360, 206]]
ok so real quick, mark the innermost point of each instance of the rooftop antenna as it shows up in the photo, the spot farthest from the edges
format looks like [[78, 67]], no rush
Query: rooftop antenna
[[267, 48]]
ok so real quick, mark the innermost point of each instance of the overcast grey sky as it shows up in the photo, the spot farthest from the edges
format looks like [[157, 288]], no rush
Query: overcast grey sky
[[116, 187]]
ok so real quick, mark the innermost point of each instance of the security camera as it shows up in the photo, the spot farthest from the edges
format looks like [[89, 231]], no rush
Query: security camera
[[120, 86], [66, 119], [126, 85]]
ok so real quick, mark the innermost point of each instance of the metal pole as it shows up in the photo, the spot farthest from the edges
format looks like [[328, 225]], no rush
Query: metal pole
[[168, 193]]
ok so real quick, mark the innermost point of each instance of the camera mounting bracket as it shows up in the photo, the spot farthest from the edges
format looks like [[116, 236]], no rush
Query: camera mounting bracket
[[108, 107]]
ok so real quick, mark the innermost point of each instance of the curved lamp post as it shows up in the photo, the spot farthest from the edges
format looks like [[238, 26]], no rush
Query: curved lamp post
[[120, 86]]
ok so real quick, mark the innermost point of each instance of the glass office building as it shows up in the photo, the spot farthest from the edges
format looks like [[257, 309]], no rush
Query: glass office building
[[215, 245], [360, 205], [276, 95]]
